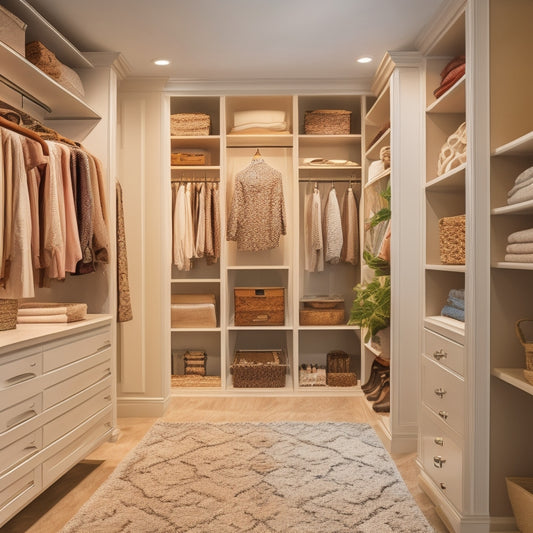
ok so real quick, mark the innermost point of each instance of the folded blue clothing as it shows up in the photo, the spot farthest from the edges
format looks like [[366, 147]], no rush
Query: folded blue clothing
[[457, 293], [456, 302], [452, 312]]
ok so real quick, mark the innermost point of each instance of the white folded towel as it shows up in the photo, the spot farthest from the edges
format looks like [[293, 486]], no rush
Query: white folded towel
[[274, 126], [521, 195], [519, 258], [520, 248], [42, 319], [42, 311], [523, 176], [260, 115], [521, 185], [525, 235]]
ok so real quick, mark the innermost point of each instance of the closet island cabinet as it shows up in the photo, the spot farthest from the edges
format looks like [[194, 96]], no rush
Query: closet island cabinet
[[292, 154], [58, 381]]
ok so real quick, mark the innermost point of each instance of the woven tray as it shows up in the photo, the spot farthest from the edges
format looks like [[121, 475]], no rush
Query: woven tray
[[327, 122], [259, 368], [341, 379], [452, 240], [181, 159], [195, 381]]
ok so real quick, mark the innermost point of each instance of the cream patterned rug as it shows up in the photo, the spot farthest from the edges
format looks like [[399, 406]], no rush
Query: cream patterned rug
[[249, 477]]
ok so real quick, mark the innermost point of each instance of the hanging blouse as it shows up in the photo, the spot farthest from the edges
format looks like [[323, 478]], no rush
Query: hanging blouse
[[350, 228], [200, 220], [332, 229], [313, 238], [257, 216]]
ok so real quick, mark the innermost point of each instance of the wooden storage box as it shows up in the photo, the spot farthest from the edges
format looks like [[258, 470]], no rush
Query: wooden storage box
[[193, 311], [322, 311], [188, 124], [327, 122], [452, 240], [185, 159], [12, 31], [259, 368], [259, 306]]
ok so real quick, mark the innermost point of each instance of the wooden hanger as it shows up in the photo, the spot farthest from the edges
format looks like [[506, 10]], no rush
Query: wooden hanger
[[5, 123], [257, 155]]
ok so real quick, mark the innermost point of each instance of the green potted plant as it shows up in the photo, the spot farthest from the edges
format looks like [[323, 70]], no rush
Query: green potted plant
[[371, 311]]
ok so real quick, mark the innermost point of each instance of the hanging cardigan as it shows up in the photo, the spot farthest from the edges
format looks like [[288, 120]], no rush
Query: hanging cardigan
[[332, 229], [313, 238], [257, 217], [350, 228]]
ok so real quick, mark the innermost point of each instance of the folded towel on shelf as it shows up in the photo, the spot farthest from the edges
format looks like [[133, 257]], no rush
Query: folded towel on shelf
[[520, 248], [42, 312], [519, 258], [525, 235], [523, 180], [458, 303], [270, 126], [521, 195], [457, 293], [453, 312], [241, 118]]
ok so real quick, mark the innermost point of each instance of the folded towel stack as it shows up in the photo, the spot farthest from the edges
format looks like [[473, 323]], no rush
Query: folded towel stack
[[520, 247], [455, 305], [259, 121], [50, 313], [522, 190], [450, 75]]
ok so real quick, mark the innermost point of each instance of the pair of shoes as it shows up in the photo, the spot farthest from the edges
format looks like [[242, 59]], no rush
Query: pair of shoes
[[375, 393], [373, 379], [382, 404]]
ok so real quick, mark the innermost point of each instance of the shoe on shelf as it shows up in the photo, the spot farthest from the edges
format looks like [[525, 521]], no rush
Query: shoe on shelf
[[382, 404], [373, 395]]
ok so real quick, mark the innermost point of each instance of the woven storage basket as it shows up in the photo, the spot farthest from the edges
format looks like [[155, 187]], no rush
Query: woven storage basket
[[520, 490], [195, 363], [341, 379], [8, 313], [528, 348], [190, 124], [259, 368], [452, 240], [181, 159], [338, 362], [327, 122]]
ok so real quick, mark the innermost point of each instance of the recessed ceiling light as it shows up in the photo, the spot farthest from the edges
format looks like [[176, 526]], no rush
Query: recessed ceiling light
[[161, 62], [364, 60]]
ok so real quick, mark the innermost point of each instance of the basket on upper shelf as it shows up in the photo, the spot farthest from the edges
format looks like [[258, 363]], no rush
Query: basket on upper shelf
[[327, 122], [186, 124]]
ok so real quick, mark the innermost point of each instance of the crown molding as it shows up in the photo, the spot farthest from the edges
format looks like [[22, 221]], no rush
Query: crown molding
[[114, 60]]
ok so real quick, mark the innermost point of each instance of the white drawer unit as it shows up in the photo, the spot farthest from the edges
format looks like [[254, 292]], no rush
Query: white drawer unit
[[443, 393], [442, 457], [445, 351], [56, 403]]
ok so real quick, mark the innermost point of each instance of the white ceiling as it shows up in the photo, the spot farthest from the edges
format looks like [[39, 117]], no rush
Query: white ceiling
[[243, 39]]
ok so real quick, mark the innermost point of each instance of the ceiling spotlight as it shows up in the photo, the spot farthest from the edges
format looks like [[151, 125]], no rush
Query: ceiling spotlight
[[364, 60], [161, 62]]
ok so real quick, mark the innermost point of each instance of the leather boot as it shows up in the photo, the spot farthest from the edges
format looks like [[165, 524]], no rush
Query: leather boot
[[382, 405], [373, 379], [376, 392]]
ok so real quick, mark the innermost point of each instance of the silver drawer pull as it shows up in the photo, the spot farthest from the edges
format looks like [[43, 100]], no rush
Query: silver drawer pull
[[22, 417], [440, 354], [28, 448], [20, 378], [443, 415], [108, 397], [438, 461], [442, 486], [439, 441], [104, 346], [440, 392]]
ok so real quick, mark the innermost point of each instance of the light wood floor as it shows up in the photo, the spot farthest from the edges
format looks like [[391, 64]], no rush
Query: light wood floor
[[50, 512]]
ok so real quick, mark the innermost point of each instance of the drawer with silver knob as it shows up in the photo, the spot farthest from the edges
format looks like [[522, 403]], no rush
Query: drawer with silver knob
[[443, 393], [442, 456], [444, 351]]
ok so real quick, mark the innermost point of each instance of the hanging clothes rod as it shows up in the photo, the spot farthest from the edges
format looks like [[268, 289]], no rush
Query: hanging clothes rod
[[329, 180], [195, 179], [24, 93], [260, 146]]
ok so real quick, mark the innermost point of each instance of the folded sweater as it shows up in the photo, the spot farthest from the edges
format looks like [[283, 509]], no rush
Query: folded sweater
[[523, 180], [453, 312]]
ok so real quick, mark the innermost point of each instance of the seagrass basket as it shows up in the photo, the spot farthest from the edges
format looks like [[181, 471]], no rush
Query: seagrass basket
[[8, 313], [190, 124], [259, 368], [452, 240], [528, 348], [327, 122]]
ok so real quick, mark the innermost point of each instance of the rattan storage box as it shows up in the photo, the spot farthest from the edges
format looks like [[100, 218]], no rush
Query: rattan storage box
[[452, 240], [259, 368], [322, 311], [327, 122], [259, 306], [188, 124]]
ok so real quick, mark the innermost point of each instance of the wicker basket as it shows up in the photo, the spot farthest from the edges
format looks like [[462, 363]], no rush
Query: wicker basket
[[195, 363], [181, 159], [452, 240], [327, 122], [8, 313], [341, 379], [338, 362], [520, 490], [259, 368], [188, 124], [528, 348]]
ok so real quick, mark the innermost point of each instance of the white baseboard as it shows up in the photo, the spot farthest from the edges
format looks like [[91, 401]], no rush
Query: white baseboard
[[141, 407]]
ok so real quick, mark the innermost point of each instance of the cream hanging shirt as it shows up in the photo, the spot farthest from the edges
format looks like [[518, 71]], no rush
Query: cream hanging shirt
[[350, 228], [332, 229], [313, 238]]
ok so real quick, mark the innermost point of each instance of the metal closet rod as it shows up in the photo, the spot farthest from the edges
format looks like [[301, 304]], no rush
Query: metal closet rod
[[329, 180], [195, 179], [12, 85]]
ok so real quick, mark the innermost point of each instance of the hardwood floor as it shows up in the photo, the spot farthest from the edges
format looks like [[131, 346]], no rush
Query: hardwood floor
[[50, 511]]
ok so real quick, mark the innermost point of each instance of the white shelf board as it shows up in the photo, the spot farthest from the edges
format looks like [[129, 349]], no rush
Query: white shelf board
[[317, 140], [195, 280], [452, 101], [342, 327], [233, 327], [195, 330], [523, 208], [370, 348], [515, 377], [39, 29], [522, 146], [453, 180], [373, 151], [446, 326], [512, 266], [250, 391], [258, 267], [385, 174], [379, 113], [199, 168], [194, 141], [446, 268], [255, 141], [329, 167], [63, 103]]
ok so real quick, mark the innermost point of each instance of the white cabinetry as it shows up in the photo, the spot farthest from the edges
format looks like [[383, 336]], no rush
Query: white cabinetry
[[56, 396]]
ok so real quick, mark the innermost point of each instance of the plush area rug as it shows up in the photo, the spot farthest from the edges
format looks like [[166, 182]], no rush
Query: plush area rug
[[250, 477]]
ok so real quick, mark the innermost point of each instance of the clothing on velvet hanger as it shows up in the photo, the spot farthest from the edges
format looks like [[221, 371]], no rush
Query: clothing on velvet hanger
[[8, 124]]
